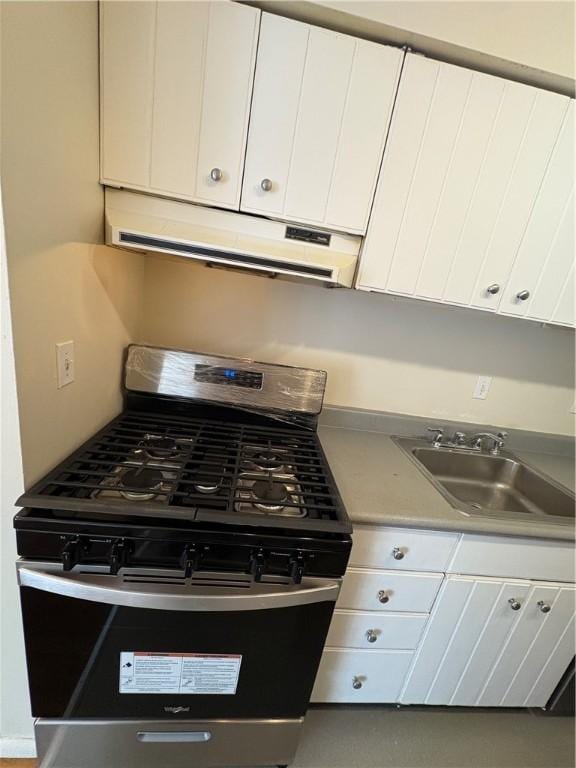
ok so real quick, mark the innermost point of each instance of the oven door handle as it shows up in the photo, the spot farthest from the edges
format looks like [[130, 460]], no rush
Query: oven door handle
[[116, 590]]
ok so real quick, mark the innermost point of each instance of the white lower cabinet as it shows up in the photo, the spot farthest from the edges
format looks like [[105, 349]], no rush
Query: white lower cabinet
[[496, 631], [366, 589], [370, 629], [493, 642], [360, 676]]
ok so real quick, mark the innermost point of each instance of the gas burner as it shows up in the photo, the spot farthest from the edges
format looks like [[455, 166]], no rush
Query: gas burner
[[138, 481], [210, 473], [164, 447], [269, 494], [206, 487], [267, 459], [148, 482]]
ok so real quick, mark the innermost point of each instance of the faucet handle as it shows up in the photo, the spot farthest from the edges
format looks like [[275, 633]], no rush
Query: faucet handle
[[438, 435], [499, 444]]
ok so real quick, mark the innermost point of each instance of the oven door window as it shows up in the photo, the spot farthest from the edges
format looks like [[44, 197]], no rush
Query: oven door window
[[74, 652]]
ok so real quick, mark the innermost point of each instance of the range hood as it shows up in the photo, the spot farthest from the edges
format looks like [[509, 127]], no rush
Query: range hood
[[231, 240]]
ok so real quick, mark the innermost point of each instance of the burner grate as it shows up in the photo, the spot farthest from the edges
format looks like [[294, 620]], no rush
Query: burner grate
[[211, 474]]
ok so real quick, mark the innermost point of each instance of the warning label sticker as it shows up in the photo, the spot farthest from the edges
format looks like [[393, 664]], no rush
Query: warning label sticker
[[147, 672]]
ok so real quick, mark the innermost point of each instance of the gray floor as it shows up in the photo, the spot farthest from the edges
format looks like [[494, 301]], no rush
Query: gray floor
[[379, 737]]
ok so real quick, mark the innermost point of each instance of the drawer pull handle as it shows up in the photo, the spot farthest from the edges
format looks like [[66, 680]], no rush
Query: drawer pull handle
[[216, 174], [515, 604], [266, 185], [397, 553], [544, 607], [371, 636], [382, 596], [356, 683]]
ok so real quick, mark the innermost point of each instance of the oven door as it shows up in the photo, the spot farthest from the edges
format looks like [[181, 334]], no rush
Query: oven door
[[153, 645]]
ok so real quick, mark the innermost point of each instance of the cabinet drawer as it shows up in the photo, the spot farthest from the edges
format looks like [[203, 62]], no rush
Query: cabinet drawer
[[378, 676], [373, 630], [370, 590], [514, 558], [376, 547]]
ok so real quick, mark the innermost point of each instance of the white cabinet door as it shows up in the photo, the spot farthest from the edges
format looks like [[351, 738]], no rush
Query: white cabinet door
[[488, 643], [320, 112], [127, 32], [463, 165], [545, 261], [176, 84], [537, 652]]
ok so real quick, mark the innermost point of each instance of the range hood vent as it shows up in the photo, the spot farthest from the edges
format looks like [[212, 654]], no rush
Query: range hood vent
[[212, 254], [230, 240]]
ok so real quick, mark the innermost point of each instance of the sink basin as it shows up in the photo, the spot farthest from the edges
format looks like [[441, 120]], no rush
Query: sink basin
[[482, 484]]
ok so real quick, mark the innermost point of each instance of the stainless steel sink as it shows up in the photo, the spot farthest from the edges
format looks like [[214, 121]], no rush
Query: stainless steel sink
[[482, 484]]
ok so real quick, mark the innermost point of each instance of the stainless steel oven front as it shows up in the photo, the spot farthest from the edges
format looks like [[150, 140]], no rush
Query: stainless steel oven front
[[149, 668]]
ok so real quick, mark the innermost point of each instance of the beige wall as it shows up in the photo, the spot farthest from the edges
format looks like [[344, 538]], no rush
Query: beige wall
[[63, 286], [381, 353], [537, 34], [527, 40]]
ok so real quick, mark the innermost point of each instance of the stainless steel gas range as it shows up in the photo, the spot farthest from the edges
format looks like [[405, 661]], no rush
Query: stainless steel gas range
[[178, 572]]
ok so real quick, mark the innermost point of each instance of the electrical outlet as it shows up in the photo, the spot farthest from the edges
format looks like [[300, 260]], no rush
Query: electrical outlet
[[482, 387], [65, 363]]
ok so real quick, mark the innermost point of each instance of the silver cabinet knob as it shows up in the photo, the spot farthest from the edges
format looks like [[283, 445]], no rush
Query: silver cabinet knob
[[356, 683], [266, 185], [371, 636], [382, 596], [493, 289], [216, 174], [515, 604], [523, 295], [544, 607], [397, 553]]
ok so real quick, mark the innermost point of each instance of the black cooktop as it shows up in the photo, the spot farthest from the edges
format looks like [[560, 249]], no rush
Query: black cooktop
[[165, 462]]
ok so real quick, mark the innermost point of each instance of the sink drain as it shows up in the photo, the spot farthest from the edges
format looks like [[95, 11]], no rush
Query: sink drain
[[475, 505]]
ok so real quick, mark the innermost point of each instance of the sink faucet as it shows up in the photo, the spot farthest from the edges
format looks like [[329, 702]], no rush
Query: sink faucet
[[498, 441], [474, 443]]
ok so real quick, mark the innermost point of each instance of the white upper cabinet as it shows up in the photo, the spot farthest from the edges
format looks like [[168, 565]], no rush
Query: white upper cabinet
[[320, 113], [176, 89], [465, 162], [541, 283]]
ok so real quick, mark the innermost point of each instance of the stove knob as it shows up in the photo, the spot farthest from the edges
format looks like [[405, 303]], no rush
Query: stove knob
[[257, 565], [190, 560], [72, 553], [119, 553], [297, 568]]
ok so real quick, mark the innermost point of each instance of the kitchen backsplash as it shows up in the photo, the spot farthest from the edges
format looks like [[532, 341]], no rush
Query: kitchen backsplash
[[381, 353]]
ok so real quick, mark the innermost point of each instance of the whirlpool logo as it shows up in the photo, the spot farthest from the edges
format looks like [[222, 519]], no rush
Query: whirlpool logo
[[176, 710]]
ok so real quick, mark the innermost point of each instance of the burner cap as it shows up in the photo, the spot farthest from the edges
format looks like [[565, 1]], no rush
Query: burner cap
[[206, 486], [160, 446], [142, 483], [274, 493], [268, 461]]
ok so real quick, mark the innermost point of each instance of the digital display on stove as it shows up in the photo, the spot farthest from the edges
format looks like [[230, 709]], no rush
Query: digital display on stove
[[210, 374]]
